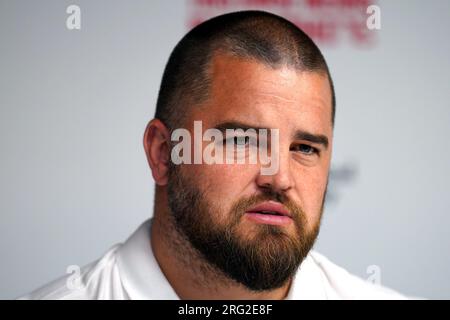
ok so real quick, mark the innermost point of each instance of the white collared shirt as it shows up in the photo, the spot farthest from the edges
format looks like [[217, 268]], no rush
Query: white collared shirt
[[130, 271]]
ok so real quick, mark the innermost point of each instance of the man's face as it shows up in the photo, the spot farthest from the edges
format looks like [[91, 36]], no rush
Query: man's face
[[213, 204]]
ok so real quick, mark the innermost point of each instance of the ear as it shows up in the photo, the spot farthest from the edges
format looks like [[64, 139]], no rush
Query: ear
[[156, 145]]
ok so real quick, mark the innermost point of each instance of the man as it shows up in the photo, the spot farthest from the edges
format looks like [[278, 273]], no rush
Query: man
[[225, 229]]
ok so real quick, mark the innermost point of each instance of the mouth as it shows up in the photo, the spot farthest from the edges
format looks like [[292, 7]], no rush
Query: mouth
[[269, 212]]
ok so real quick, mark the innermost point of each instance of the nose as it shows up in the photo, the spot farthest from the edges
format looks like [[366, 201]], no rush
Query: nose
[[281, 181]]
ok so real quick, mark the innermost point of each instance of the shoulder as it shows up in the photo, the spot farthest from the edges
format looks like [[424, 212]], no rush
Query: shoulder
[[340, 284], [97, 280]]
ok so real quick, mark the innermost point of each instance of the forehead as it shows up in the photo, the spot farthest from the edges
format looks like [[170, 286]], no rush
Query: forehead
[[252, 92]]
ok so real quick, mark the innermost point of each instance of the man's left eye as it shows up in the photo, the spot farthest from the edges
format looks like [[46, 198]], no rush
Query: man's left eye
[[305, 149]]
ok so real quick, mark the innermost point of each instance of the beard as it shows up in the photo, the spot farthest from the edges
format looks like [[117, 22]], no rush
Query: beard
[[261, 257]]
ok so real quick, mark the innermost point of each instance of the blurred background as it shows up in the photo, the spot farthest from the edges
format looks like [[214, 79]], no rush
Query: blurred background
[[76, 95]]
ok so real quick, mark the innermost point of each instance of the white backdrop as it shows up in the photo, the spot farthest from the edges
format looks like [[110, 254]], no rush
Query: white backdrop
[[74, 105]]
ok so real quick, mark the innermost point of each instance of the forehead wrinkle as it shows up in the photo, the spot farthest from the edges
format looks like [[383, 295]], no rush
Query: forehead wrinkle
[[276, 96]]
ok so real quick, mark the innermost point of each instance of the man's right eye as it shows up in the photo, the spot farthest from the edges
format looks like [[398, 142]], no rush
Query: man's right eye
[[305, 149]]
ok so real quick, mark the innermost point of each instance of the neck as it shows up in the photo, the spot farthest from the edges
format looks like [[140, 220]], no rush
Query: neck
[[189, 274]]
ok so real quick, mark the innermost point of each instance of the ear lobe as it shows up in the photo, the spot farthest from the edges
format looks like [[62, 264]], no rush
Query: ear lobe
[[156, 145]]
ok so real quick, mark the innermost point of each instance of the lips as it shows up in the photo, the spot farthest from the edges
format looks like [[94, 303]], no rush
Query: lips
[[270, 208]]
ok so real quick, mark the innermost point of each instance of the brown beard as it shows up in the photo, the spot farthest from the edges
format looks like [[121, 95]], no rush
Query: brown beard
[[264, 261]]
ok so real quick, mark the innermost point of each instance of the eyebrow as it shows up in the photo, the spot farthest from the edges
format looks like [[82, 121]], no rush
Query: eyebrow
[[299, 134], [313, 138], [235, 125]]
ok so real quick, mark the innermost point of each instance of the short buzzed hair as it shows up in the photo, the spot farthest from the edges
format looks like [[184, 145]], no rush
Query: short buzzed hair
[[258, 35]]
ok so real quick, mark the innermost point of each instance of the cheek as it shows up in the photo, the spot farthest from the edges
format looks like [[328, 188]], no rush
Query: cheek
[[311, 184], [225, 184], [230, 178]]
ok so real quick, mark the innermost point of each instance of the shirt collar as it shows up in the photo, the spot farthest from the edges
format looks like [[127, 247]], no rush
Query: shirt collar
[[142, 277], [308, 282]]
